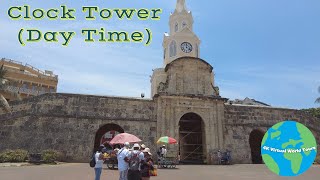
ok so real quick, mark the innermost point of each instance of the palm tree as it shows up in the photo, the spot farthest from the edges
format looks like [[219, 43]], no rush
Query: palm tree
[[318, 99]]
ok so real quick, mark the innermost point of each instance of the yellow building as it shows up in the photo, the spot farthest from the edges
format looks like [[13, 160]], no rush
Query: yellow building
[[26, 80]]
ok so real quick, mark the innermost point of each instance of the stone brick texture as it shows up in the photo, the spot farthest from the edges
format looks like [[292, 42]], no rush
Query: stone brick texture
[[240, 121], [68, 123]]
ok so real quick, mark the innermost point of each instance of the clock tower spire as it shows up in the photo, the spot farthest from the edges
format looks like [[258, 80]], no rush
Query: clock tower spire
[[181, 41]]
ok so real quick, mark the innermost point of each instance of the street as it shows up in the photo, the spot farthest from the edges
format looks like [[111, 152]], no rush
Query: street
[[74, 171]]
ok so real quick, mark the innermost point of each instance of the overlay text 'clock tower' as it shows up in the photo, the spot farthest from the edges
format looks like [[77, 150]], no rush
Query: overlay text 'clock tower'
[[181, 41]]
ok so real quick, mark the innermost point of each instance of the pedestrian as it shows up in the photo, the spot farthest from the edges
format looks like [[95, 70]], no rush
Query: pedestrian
[[123, 161], [228, 156], [135, 159], [99, 162], [147, 164], [142, 147], [164, 151], [219, 154], [159, 151], [160, 158]]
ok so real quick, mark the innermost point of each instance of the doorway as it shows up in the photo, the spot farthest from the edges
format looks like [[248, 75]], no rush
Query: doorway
[[105, 134], [255, 139], [191, 139]]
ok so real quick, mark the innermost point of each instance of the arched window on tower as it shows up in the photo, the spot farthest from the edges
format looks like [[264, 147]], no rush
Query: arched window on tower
[[197, 51], [173, 49], [184, 24], [164, 53], [176, 27]]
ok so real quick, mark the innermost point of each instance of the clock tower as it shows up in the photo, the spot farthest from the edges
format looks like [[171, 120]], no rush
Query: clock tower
[[183, 73], [181, 41]]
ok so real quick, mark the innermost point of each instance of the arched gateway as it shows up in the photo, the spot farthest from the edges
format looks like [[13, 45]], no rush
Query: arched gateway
[[255, 139], [105, 133], [191, 139]]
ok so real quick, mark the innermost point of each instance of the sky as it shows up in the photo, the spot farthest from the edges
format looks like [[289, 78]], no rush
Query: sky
[[264, 50]]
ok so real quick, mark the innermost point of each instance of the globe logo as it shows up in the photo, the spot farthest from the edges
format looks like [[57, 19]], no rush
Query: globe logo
[[288, 148]]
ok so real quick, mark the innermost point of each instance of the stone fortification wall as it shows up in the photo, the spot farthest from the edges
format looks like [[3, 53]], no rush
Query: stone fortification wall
[[240, 121], [68, 123]]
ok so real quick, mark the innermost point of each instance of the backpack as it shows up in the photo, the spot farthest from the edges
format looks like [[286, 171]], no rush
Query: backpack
[[134, 162], [93, 161]]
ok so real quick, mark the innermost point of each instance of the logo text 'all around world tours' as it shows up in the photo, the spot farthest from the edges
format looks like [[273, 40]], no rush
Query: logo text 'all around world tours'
[[272, 149]]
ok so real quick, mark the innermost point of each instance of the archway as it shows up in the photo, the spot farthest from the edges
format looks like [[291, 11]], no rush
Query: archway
[[105, 134], [255, 139], [191, 139]]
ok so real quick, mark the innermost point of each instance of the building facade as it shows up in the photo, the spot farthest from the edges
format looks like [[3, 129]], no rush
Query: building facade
[[185, 105], [26, 80]]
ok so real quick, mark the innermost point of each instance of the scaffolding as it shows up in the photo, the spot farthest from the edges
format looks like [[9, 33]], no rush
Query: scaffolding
[[191, 148]]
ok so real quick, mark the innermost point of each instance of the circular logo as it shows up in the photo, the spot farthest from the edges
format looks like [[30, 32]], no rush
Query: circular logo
[[288, 148]]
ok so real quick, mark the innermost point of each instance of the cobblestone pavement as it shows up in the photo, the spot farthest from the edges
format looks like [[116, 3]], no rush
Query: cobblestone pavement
[[187, 172]]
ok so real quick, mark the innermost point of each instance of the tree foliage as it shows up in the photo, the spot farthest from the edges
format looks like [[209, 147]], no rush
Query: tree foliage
[[313, 111]]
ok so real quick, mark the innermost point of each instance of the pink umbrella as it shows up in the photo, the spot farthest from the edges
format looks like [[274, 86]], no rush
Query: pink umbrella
[[124, 137]]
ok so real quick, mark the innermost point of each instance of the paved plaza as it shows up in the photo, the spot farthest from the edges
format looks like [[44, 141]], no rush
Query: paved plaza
[[75, 171]]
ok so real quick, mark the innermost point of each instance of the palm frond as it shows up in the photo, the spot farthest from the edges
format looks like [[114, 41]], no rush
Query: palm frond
[[4, 103], [3, 72]]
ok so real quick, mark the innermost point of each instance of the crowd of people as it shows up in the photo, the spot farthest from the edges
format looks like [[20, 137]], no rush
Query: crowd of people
[[134, 163]]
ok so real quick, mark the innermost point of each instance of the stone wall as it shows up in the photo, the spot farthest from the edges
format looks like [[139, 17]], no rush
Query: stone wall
[[240, 121], [68, 123], [158, 77], [189, 75], [184, 76]]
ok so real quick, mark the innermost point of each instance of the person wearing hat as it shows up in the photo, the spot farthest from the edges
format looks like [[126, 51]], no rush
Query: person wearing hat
[[147, 164], [99, 162], [123, 161], [142, 147], [135, 159]]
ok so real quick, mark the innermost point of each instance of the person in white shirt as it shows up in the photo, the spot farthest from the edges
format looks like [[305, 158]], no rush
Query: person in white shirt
[[163, 151], [123, 161], [99, 162]]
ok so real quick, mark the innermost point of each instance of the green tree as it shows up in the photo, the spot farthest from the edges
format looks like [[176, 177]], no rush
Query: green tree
[[313, 111]]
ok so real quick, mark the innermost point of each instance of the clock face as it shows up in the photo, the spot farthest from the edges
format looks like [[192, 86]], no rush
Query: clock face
[[186, 47]]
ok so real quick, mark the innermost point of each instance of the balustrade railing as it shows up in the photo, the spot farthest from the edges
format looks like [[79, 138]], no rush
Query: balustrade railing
[[22, 90]]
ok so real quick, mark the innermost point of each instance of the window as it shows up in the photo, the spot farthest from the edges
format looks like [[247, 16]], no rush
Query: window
[[197, 51], [176, 27], [173, 49], [25, 86], [43, 90], [164, 53], [51, 89], [184, 24]]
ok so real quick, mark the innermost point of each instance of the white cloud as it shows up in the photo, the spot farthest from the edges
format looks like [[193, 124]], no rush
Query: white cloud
[[91, 68]]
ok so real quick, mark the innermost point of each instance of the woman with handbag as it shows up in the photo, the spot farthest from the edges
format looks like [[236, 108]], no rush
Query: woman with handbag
[[147, 165]]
